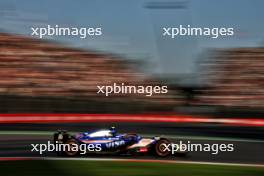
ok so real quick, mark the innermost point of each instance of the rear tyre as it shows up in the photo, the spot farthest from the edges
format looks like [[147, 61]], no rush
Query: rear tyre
[[161, 148], [72, 148]]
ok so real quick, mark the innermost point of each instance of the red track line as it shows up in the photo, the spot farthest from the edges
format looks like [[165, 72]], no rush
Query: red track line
[[78, 118], [15, 158]]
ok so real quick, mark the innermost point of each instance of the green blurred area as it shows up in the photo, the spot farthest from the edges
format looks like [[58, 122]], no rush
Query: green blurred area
[[122, 168]]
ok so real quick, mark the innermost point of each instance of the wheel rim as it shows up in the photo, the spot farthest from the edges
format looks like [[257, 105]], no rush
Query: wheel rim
[[160, 148], [71, 152]]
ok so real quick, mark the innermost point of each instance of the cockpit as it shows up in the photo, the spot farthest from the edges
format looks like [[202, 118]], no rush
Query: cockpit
[[102, 133]]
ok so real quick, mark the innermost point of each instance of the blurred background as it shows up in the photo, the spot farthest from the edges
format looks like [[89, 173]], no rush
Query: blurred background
[[219, 78], [60, 73]]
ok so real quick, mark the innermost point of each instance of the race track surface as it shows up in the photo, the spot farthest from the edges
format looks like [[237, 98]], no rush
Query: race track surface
[[16, 139]]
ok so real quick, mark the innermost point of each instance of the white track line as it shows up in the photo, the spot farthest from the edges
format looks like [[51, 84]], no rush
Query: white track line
[[207, 138], [157, 161], [183, 137]]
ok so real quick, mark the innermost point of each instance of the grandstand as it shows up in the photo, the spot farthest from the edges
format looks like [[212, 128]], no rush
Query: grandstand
[[35, 70], [235, 77]]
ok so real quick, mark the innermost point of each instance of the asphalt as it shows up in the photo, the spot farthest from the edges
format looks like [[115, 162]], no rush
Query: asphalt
[[16, 139]]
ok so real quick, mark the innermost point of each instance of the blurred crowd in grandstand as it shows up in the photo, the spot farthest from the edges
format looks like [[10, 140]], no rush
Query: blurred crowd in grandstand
[[36, 69], [39, 69], [236, 78]]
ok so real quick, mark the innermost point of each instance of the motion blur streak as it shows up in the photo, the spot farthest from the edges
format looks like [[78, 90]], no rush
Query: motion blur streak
[[52, 118], [130, 160], [15, 158]]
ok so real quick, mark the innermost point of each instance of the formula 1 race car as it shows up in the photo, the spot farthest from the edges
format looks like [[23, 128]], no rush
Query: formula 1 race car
[[110, 142]]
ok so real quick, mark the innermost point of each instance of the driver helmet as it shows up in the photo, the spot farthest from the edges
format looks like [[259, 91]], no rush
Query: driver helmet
[[113, 130]]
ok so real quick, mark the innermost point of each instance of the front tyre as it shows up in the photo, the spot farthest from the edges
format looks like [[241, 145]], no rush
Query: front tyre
[[161, 148]]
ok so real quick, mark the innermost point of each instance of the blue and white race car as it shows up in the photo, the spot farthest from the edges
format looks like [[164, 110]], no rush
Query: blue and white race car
[[111, 142]]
